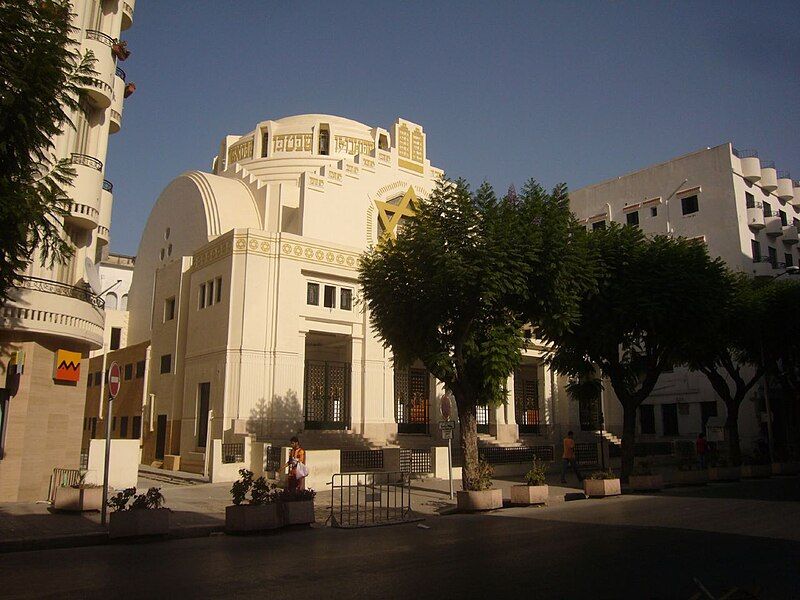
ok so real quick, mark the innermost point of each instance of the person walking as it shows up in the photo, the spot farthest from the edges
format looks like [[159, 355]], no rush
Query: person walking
[[701, 447], [568, 457], [296, 477]]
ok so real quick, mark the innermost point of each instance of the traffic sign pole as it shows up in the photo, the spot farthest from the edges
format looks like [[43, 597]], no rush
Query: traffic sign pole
[[450, 463], [114, 377]]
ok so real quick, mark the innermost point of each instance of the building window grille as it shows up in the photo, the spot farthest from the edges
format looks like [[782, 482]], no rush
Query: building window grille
[[116, 335], [312, 294], [330, 296], [346, 299], [166, 363], [632, 217], [689, 205], [169, 309]]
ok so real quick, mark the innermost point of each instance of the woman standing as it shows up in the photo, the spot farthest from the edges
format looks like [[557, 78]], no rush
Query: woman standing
[[296, 478]]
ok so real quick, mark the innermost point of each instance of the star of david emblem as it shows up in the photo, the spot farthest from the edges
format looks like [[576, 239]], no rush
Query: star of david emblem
[[389, 214]]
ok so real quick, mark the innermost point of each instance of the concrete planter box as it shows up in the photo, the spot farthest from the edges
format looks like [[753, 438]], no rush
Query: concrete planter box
[[78, 499], [529, 494], [245, 518], [646, 483], [756, 471], [679, 478], [298, 513], [600, 488], [468, 501], [137, 523], [786, 468], [724, 473]]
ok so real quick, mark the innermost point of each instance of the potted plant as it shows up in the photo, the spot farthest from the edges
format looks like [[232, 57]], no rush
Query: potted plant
[[297, 506], [722, 470], [601, 484], [145, 516], [120, 50], [259, 512], [644, 480], [687, 475], [80, 496], [130, 87], [535, 490], [480, 495]]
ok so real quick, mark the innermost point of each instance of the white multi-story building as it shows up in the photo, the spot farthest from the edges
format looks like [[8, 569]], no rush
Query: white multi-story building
[[54, 319], [745, 211], [116, 275]]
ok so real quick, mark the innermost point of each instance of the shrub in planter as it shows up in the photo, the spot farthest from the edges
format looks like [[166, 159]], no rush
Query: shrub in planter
[[601, 484], [144, 516], [297, 506], [80, 496], [480, 495], [259, 512], [535, 491], [644, 479]]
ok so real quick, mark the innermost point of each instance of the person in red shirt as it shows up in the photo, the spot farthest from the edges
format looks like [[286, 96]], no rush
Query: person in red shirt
[[701, 447], [568, 457]]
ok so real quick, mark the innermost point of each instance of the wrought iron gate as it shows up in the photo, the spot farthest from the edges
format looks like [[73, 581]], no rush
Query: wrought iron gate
[[526, 403], [411, 393], [482, 417], [327, 395]]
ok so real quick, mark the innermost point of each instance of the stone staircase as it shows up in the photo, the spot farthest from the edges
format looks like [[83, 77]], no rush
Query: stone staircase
[[193, 462], [610, 437]]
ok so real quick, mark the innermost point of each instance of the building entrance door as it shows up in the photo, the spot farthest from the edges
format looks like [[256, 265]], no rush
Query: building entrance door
[[482, 417], [161, 436], [204, 396], [526, 402], [327, 395], [411, 400]]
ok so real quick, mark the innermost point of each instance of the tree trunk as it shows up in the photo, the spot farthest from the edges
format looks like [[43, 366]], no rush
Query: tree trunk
[[628, 440], [469, 440], [732, 429]]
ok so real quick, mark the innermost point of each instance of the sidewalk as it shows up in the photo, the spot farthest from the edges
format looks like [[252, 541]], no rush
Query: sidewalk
[[198, 509]]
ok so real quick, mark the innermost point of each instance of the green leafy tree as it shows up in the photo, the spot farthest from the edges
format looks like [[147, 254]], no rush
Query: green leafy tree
[[41, 72], [455, 288], [652, 298]]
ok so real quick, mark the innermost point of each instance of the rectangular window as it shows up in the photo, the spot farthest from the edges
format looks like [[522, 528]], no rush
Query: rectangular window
[[201, 296], [767, 209], [653, 211], [203, 406], [169, 309], [784, 219], [312, 294], [139, 369], [598, 225], [707, 409], [749, 200], [116, 335], [3, 411], [773, 257], [89, 380], [113, 423], [647, 418], [264, 144], [632, 217], [123, 427], [756, 247], [669, 415], [689, 205], [98, 377], [346, 299], [209, 293], [788, 259], [218, 289], [128, 371], [166, 363], [137, 428], [330, 296]]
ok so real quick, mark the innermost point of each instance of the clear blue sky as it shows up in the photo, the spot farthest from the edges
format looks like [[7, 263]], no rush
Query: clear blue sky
[[558, 91]]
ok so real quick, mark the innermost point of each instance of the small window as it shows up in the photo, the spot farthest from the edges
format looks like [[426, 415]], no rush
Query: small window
[[749, 200], [98, 377], [669, 416], [89, 380], [346, 299], [598, 225], [330, 296], [312, 294], [139, 369], [264, 144], [383, 142], [209, 293], [201, 296], [128, 371], [113, 423], [136, 432], [767, 209], [166, 363], [773, 257], [123, 427], [632, 217], [116, 335], [647, 418], [756, 248], [788, 259], [324, 140], [689, 205], [218, 289], [653, 211], [85, 423], [784, 219], [169, 309]]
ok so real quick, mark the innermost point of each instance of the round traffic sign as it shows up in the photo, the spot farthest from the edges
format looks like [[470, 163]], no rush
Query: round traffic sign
[[114, 379]]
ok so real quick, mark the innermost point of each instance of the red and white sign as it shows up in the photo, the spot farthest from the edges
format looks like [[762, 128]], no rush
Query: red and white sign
[[114, 379]]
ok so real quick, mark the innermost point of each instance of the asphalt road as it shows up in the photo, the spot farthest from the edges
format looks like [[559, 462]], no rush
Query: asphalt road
[[629, 547]]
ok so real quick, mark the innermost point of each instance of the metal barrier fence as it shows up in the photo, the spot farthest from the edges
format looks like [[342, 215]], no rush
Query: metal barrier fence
[[369, 499], [232, 453], [62, 478], [85, 458], [642, 449], [504, 455], [361, 460], [415, 460], [272, 458], [586, 454]]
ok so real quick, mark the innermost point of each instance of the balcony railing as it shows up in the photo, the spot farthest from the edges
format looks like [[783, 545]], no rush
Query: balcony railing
[[116, 116], [120, 73], [86, 161], [127, 9], [745, 153], [784, 174], [101, 85], [108, 186], [60, 289], [99, 36], [767, 164]]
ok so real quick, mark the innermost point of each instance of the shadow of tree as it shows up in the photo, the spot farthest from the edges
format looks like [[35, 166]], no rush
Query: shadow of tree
[[277, 420]]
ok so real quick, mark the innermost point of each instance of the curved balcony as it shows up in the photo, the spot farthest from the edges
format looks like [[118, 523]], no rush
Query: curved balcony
[[52, 308], [789, 234], [751, 169], [763, 267], [773, 226], [769, 179], [84, 211], [796, 189], [99, 88], [106, 204], [785, 189], [115, 114], [755, 217], [127, 13]]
